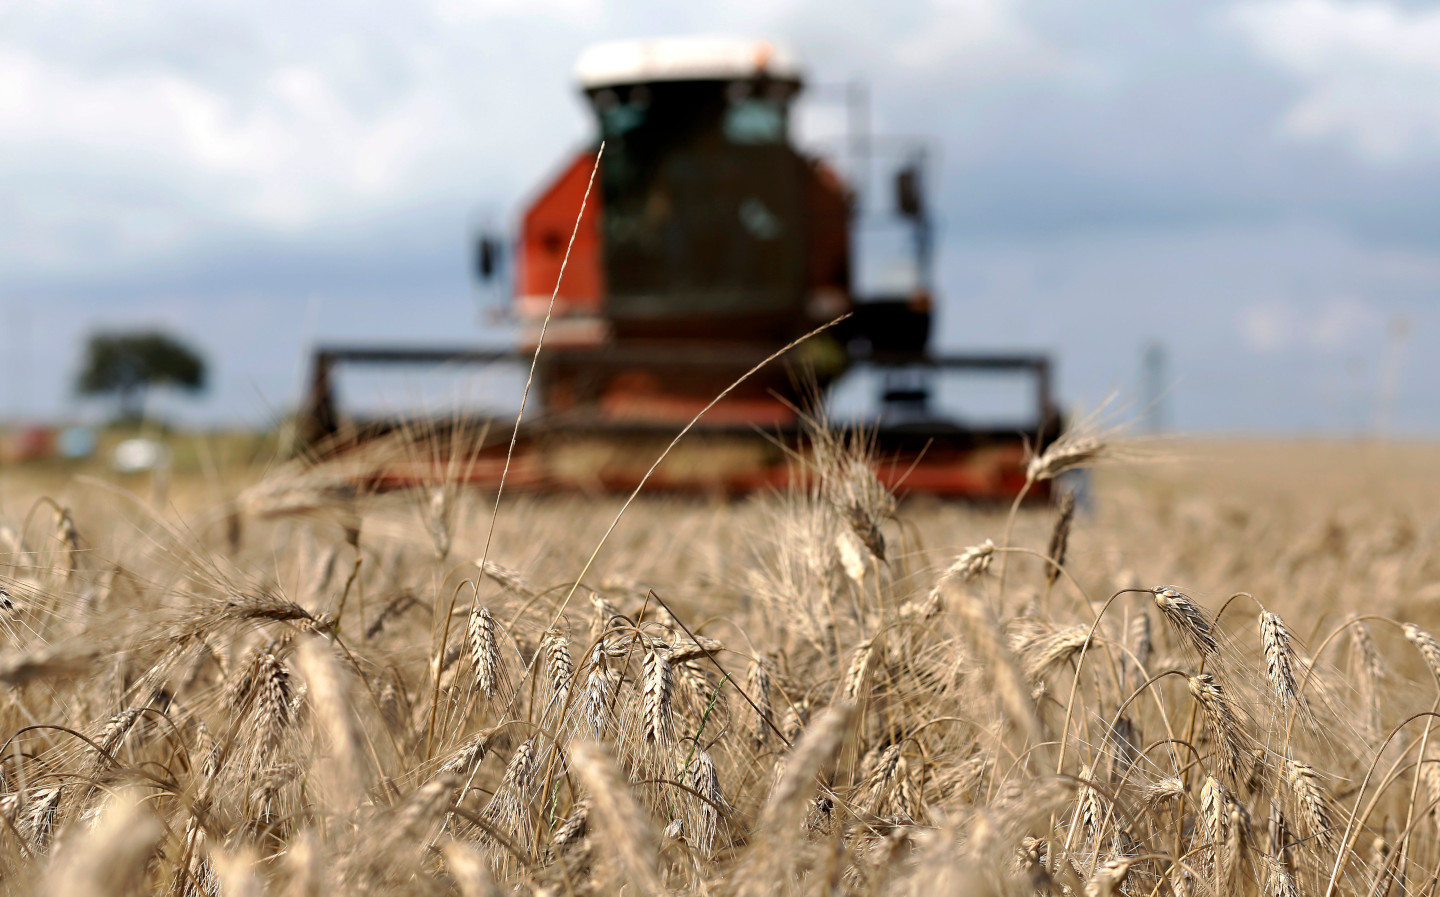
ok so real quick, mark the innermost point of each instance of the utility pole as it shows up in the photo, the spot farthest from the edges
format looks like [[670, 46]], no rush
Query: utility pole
[[1153, 363], [857, 127], [18, 362], [1396, 335]]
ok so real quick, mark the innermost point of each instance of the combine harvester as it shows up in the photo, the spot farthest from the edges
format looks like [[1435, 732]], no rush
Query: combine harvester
[[708, 243]]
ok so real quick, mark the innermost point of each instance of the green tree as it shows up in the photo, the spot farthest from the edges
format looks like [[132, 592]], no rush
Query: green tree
[[128, 364]]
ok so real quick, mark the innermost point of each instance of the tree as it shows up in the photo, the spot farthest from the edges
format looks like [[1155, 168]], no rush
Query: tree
[[128, 364]]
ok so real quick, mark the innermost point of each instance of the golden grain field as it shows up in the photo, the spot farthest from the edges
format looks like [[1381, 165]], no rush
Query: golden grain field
[[1217, 678]]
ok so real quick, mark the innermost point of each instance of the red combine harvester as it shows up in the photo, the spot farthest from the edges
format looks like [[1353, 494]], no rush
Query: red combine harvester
[[708, 243]]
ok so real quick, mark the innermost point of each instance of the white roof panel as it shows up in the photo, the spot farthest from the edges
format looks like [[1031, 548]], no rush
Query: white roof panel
[[683, 59]]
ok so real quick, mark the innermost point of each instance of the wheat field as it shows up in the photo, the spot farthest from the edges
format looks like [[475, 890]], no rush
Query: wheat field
[[1217, 675]]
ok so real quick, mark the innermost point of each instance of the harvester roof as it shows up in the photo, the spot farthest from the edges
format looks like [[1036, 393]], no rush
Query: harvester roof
[[648, 61]]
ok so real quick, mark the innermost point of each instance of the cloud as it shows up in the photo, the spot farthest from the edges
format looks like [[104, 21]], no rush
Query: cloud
[[1267, 327], [1370, 71], [285, 153], [1106, 175], [137, 138], [1329, 326], [988, 37], [133, 139]]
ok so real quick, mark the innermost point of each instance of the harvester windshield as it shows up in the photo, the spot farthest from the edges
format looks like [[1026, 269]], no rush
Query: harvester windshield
[[703, 196]]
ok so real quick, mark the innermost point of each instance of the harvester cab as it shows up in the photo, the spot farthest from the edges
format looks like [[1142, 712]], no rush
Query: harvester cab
[[708, 242]]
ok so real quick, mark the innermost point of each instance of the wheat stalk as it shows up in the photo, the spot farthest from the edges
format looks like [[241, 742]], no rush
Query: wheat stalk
[[1223, 724], [560, 669], [1425, 643], [657, 714], [627, 830], [705, 779], [1060, 537], [1308, 802], [484, 651], [1368, 671], [1188, 620], [1279, 660], [757, 686]]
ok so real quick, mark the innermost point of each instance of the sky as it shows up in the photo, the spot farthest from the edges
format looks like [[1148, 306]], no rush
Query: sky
[[1251, 184]]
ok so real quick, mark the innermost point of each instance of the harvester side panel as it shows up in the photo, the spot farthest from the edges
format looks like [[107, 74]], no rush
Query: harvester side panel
[[827, 275], [544, 236]]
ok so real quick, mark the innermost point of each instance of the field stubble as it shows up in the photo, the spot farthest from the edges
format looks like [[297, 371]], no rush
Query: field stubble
[[290, 689]]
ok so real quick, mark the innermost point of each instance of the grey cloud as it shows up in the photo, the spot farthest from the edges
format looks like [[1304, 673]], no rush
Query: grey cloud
[[1110, 175]]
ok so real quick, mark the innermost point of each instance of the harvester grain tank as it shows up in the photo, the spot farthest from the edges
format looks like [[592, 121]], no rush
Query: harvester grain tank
[[708, 242]]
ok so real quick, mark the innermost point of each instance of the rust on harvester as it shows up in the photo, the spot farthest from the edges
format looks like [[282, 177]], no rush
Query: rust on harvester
[[708, 243]]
